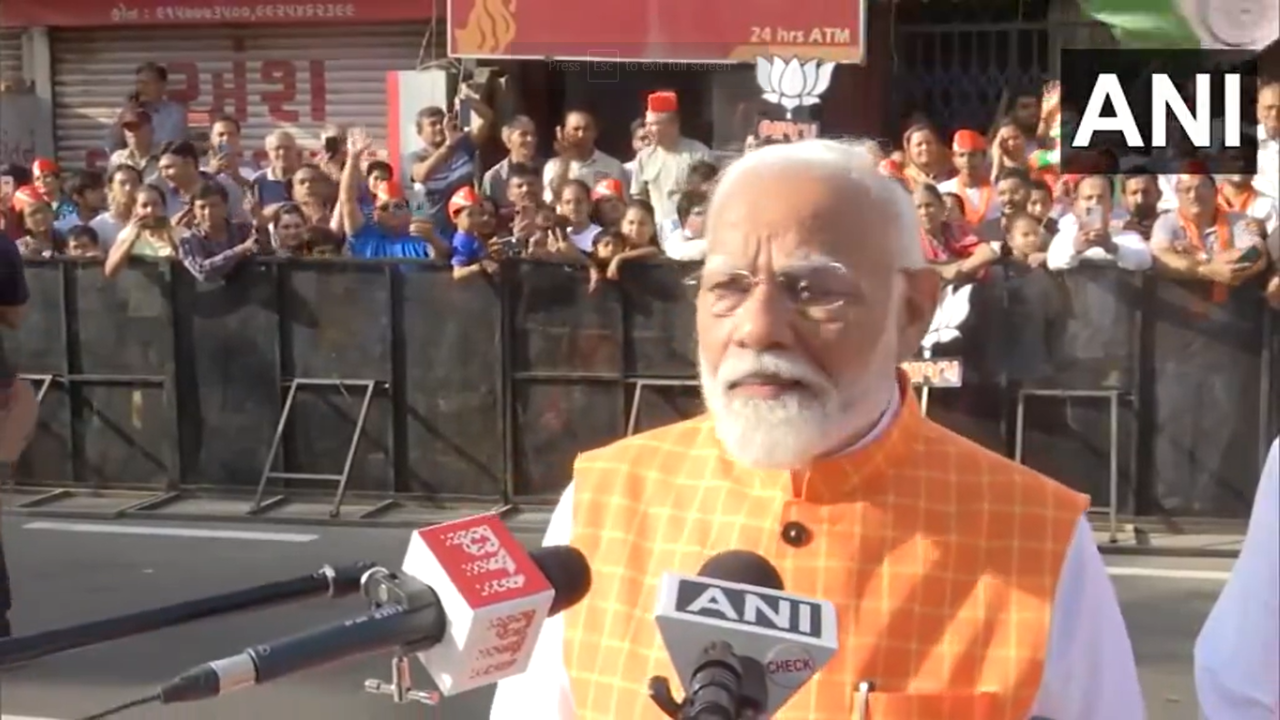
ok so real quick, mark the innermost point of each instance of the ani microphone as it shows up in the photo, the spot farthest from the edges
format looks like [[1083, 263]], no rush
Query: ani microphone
[[469, 601], [740, 645]]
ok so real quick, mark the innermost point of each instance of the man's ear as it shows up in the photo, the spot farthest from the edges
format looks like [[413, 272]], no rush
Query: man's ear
[[920, 300]]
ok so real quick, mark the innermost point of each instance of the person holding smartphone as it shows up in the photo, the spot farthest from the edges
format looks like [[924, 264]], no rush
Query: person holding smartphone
[[1096, 236], [1201, 240], [447, 160]]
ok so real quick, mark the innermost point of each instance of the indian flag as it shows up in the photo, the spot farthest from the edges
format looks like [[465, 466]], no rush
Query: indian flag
[[1214, 24]]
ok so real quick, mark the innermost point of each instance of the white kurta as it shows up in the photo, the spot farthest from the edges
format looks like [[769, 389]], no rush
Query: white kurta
[[1238, 651], [1089, 671]]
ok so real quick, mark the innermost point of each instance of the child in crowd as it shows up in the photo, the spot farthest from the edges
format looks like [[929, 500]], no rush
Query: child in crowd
[[1025, 240], [954, 208], [574, 205], [41, 240], [686, 243], [83, 242], [322, 242], [606, 245], [470, 254], [701, 177], [610, 203], [1040, 206]]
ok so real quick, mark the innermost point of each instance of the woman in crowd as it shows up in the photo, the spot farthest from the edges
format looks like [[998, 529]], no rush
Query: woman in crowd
[[47, 177], [288, 230], [149, 234], [949, 247], [1008, 147], [926, 158]]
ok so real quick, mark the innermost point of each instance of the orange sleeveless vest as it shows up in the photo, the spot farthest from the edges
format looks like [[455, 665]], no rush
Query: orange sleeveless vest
[[942, 560]]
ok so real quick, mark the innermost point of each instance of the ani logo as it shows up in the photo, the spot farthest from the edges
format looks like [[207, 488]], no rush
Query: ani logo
[[792, 83]]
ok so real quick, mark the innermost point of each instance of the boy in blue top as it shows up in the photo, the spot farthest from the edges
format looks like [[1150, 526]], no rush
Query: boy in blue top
[[390, 233], [470, 256]]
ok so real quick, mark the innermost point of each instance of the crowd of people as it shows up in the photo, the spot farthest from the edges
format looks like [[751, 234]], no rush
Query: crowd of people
[[981, 196]]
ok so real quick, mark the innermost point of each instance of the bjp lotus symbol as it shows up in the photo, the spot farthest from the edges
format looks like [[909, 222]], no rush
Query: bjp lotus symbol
[[791, 83]]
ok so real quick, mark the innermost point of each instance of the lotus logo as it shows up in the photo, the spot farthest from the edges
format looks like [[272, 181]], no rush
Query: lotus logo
[[791, 83], [952, 310]]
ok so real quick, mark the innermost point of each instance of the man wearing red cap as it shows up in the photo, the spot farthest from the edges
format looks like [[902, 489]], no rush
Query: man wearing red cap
[[972, 184], [662, 167]]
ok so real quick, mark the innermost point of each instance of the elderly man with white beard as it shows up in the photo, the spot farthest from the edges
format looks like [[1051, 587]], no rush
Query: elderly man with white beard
[[966, 586]]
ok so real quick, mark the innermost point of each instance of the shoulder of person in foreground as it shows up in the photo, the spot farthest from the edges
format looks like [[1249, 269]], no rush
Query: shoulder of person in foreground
[[13, 283], [1237, 654]]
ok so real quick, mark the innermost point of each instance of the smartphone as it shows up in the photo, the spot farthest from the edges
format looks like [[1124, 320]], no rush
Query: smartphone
[[222, 148], [7, 187], [1093, 218], [1251, 255], [511, 247], [332, 145]]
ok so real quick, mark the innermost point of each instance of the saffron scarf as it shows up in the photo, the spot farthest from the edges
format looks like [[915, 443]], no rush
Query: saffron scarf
[[1219, 291]]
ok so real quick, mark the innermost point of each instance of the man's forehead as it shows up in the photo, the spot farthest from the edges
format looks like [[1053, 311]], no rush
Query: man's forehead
[[797, 261]]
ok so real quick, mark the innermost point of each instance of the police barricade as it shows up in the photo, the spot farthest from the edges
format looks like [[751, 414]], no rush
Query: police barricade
[[394, 379], [1210, 398]]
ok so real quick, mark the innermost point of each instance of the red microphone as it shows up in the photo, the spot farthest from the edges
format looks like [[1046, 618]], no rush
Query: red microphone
[[494, 594]]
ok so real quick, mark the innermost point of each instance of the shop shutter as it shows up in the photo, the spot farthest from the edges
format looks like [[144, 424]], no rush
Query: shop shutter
[[267, 77], [11, 55]]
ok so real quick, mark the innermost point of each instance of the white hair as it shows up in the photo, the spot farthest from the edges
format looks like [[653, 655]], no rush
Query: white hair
[[850, 162]]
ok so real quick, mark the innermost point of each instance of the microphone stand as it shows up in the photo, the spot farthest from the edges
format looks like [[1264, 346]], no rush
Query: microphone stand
[[327, 582], [723, 686]]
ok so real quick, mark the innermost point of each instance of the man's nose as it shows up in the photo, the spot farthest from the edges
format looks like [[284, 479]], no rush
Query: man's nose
[[764, 321]]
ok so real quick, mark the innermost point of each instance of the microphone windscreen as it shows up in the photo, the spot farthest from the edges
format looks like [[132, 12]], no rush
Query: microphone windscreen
[[742, 567], [567, 570]]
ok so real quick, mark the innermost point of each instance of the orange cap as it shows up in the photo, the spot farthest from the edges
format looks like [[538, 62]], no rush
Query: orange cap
[[663, 101], [44, 166], [968, 141], [26, 196], [608, 187], [462, 199]]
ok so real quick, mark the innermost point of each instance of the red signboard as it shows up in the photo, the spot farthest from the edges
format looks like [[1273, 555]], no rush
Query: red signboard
[[100, 13], [657, 30]]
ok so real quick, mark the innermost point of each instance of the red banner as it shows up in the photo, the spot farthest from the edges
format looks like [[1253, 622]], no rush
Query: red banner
[[657, 30], [99, 13]]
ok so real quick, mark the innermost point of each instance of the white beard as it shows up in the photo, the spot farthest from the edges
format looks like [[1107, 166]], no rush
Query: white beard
[[794, 429]]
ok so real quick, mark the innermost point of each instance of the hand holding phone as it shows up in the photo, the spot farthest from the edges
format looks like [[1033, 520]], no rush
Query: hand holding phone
[[1093, 219], [1249, 257], [7, 186]]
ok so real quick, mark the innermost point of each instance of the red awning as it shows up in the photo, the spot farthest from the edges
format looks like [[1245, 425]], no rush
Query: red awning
[[657, 30], [100, 13]]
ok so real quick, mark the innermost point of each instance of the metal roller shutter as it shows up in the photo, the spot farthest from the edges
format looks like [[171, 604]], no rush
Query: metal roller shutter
[[267, 77], [10, 54]]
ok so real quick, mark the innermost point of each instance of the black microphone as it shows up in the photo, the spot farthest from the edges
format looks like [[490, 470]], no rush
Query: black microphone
[[328, 581], [408, 615], [741, 646]]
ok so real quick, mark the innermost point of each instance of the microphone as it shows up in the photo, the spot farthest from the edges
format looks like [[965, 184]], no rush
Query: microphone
[[469, 602], [328, 581], [741, 646]]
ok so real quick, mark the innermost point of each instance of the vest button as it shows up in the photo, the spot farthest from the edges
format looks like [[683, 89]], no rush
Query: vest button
[[796, 534]]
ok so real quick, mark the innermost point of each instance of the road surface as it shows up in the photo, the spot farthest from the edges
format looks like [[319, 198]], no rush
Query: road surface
[[71, 572]]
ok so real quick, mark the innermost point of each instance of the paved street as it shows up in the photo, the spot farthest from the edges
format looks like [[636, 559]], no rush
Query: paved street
[[67, 572]]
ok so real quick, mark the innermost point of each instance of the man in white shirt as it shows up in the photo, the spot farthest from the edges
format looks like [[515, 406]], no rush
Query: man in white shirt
[[1237, 656], [1267, 180], [662, 169], [578, 157], [1093, 234], [814, 286]]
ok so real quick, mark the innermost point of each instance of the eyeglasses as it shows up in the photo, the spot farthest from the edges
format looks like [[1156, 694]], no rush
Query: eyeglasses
[[819, 293], [394, 206]]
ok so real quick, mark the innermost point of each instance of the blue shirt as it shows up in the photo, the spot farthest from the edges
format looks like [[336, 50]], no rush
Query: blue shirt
[[270, 191], [467, 249], [459, 170], [371, 243]]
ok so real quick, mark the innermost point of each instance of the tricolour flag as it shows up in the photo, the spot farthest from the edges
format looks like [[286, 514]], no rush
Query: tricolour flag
[[1216, 24]]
